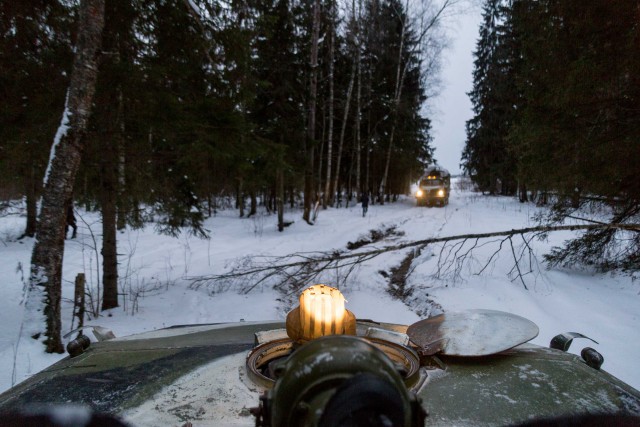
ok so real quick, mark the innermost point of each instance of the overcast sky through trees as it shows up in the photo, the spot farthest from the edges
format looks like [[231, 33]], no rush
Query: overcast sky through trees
[[452, 107]]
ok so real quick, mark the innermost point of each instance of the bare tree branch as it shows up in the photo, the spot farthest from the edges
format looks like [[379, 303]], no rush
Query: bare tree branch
[[292, 272], [516, 264]]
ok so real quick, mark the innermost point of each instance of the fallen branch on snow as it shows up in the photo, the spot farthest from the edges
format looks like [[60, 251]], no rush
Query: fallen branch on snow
[[300, 269]]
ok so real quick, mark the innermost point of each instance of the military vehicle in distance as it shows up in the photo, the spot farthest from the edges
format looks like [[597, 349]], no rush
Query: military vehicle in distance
[[434, 187], [325, 367]]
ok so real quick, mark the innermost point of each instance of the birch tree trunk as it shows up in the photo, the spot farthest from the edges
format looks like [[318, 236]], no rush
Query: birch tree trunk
[[327, 197], [394, 113], [45, 281], [344, 127], [359, 187], [311, 130], [318, 177], [367, 180]]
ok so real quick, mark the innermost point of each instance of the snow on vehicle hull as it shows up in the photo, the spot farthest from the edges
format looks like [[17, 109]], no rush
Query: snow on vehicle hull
[[198, 374]]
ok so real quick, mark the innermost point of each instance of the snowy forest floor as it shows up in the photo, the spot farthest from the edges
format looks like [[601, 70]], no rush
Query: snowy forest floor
[[155, 272]]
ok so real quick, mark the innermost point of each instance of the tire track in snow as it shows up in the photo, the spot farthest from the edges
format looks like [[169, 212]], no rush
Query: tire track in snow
[[397, 279]]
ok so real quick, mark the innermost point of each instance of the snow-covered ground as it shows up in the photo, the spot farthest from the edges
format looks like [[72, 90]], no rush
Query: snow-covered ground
[[155, 272]]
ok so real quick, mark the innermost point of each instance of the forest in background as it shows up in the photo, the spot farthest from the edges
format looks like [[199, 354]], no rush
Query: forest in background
[[198, 103], [556, 101], [173, 108]]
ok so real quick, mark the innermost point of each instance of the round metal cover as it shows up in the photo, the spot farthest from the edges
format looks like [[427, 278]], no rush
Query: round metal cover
[[259, 358], [471, 333]]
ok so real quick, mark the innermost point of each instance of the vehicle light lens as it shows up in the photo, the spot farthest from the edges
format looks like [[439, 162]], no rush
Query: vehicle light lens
[[321, 312], [440, 193], [419, 193]]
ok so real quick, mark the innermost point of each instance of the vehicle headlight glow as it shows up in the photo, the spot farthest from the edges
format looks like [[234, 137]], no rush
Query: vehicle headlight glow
[[419, 193], [441, 193]]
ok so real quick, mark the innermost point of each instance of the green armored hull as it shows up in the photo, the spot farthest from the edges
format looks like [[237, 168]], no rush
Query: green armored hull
[[200, 374]]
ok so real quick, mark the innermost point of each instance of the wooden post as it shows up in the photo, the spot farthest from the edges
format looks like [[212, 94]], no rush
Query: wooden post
[[78, 301]]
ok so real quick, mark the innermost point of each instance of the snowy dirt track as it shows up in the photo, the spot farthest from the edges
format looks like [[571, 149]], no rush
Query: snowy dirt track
[[155, 270]]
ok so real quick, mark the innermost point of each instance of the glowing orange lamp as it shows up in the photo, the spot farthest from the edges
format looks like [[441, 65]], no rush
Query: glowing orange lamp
[[321, 312]]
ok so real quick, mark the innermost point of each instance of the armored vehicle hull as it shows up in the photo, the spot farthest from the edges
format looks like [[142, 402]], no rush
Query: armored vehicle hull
[[200, 374]]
